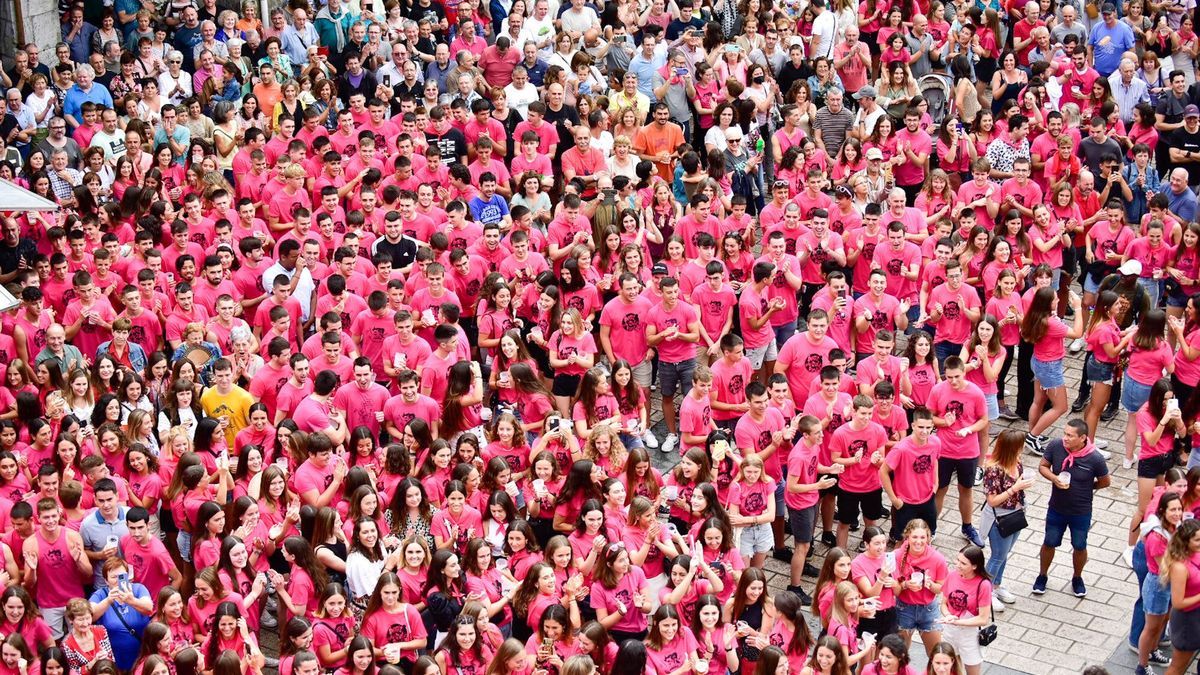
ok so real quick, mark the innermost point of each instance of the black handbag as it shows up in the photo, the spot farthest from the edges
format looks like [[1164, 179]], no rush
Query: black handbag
[[987, 634], [1012, 522]]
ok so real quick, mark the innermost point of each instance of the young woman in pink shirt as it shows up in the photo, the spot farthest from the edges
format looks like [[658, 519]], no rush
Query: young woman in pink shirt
[[1150, 357], [641, 479], [1042, 327], [620, 594], [834, 570], [891, 658], [790, 632], [967, 606], [670, 646], [462, 649]]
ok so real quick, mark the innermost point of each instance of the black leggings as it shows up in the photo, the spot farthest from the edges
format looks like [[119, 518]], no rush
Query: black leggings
[[1010, 352]]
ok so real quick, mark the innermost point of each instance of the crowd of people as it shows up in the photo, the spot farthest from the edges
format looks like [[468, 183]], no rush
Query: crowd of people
[[360, 323]]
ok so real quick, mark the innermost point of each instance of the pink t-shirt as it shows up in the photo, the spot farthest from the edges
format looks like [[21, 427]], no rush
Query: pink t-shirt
[[911, 173], [866, 568], [804, 359], [673, 654], [1146, 366], [1188, 370], [695, 417], [754, 436], [607, 598], [968, 406], [802, 463], [964, 597], [954, 325], [403, 626], [883, 312], [753, 305], [674, 350], [914, 469], [1147, 423], [566, 346], [729, 385], [627, 330], [862, 477], [311, 477], [1050, 347], [930, 563]]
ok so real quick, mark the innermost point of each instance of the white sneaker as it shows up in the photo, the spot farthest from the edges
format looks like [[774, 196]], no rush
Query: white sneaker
[[1101, 444], [1078, 345], [997, 606], [1105, 454], [1127, 556], [1005, 595], [1126, 463], [668, 445], [649, 440]]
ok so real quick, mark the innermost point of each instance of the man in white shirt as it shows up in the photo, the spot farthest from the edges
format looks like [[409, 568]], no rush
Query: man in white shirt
[[824, 31]]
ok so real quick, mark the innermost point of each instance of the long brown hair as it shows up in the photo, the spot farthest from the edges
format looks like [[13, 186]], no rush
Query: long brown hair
[[1035, 323], [1006, 452], [749, 576]]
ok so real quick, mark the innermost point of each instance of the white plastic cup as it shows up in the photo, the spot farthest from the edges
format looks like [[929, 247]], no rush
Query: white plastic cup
[[501, 564], [539, 486], [1065, 477], [427, 316], [504, 377], [918, 577], [1028, 473], [701, 666], [485, 414], [672, 492], [510, 487]]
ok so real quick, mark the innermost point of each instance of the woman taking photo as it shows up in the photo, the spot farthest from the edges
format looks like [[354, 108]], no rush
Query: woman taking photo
[[1158, 422], [1042, 327], [123, 609], [1005, 483]]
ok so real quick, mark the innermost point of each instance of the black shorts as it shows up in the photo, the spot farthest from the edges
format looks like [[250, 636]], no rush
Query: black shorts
[[926, 511], [1071, 260], [802, 522], [1156, 467], [849, 504], [829, 491], [566, 385], [965, 468]]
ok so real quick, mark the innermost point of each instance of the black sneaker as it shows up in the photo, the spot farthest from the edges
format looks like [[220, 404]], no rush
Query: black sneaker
[[805, 598], [783, 554], [856, 526], [1158, 658], [810, 571], [885, 513], [1078, 588], [1109, 413], [829, 539], [1039, 584], [1080, 404]]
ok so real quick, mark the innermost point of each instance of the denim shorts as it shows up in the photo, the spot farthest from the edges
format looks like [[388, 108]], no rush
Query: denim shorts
[[1156, 596], [756, 539], [993, 407], [780, 488], [1048, 373], [675, 377], [923, 618], [1134, 394], [1177, 298], [1057, 525], [1098, 372]]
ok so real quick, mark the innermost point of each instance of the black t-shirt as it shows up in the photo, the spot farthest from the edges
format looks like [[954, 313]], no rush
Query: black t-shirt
[[403, 252], [1077, 499], [1188, 141], [559, 119], [10, 256], [452, 145]]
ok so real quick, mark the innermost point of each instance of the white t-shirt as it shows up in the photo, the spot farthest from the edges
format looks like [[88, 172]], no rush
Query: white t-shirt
[[825, 29]]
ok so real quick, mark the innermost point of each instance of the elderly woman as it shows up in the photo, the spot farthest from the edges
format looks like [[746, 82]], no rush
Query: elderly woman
[[86, 643], [123, 609]]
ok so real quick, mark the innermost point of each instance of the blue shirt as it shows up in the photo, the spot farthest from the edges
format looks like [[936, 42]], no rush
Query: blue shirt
[[123, 623], [76, 97], [490, 211], [1183, 205], [1108, 56], [645, 71]]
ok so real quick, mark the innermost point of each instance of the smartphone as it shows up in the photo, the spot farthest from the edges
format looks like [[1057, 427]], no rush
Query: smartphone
[[564, 425], [1172, 404], [681, 71]]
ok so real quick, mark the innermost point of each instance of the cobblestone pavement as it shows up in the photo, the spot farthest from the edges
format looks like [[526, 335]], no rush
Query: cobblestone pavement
[[1056, 633]]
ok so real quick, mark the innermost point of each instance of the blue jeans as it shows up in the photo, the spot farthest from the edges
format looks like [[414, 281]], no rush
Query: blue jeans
[[1153, 289], [1138, 621], [1001, 546], [944, 349], [782, 333]]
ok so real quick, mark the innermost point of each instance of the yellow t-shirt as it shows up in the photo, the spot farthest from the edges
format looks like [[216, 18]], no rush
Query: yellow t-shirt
[[236, 404]]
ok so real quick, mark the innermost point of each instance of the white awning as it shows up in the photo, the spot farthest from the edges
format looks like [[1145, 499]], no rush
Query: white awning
[[13, 197]]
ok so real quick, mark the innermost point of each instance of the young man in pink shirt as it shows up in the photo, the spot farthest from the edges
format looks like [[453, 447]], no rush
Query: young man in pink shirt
[[695, 413], [408, 405], [273, 374], [764, 432], [961, 416], [715, 300], [953, 311], [859, 446], [732, 373], [914, 145], [147, 556], [61, 565], [1019, 192], [909, 475], [804, 354], [804, 484], [623, 329], [673, 328]]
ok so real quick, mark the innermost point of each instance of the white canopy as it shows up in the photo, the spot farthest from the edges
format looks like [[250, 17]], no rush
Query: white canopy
[[16, 198]]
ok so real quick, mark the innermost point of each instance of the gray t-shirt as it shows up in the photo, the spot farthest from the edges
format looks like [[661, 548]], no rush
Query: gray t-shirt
[[676, 98], [833, 128]]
